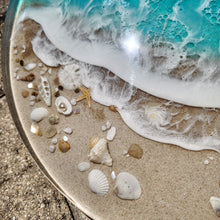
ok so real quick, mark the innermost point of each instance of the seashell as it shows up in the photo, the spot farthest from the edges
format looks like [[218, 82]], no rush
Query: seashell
[[113, 108], [135, 151], [63, 105], [68, 130], [38, 114], [52, 148], [50, 132], [127, 186], [104, 128], [28, 78], [93, 141], [99, 153], [64, 146], [111, 134], [44, 90], [215, 203], [35, 129], [30, 66], [53, 119], [83, 166], [25, 93], [157, 116], [98, 182]]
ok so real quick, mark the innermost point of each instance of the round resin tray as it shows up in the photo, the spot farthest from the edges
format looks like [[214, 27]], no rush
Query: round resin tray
[[119, 107]]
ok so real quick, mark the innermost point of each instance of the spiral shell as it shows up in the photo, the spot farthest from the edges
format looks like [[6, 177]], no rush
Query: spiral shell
[[98, 182]]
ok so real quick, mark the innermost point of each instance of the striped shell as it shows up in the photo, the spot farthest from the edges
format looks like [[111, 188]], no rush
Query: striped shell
[[44, 90], [83, 166], [98, 182]]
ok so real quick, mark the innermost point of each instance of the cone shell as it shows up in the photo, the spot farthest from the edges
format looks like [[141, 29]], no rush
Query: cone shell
[[98, 182], [99, 153], [127, 186]]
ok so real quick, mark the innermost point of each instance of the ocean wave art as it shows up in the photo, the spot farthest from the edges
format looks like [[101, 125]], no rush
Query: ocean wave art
[[156, 61]]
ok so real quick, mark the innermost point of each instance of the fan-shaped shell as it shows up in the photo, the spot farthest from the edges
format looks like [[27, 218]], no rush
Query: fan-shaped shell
[[63, 105], [127, 186], [83, 166], [98, 182]]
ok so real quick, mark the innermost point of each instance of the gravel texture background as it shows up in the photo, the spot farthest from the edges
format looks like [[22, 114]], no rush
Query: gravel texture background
[[25, 192]]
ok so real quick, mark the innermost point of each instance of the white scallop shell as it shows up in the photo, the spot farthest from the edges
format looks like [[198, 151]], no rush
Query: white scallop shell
[[215, 203], [111, 134], [38, 114], [67, 109], [127, 186], [83, 166], [44, 90], [99, 153], [98, 182]]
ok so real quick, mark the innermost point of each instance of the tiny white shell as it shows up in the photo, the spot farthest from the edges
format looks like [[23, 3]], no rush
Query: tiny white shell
[[63, 105], [44, 90], [83, 166], [68, 130], [215, 203], [99, 153], [30, 66], [98, 182], [127, 186], [111, 134], [38, 114]]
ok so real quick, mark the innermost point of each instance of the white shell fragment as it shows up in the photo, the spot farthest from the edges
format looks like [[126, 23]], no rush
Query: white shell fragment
[[215, 203], [127, 186], [108, 124], [63, 105], [68, 130], [98, 182], [99, 153], [83, 166], [103, 128], [30, 66], [111, 134], [73, 101], [38, 114], [44, 90], [113, 176]]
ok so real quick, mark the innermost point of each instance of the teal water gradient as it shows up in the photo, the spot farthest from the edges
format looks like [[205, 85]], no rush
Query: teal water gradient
[[192, 25]]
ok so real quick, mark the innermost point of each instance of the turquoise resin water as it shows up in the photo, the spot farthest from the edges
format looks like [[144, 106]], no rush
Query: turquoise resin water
[[169, 49]]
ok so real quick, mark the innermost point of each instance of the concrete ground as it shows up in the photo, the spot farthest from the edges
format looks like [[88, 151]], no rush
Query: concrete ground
[[24, 191]]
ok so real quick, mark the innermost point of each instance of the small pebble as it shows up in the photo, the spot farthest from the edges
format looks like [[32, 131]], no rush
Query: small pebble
[[108, 124], [35, 129], [56, 81], [52, 148], [16, 69], [50, 132], [54, 141], [111, 134], [32, 103], [113, 108], [73, 101], [50, 71], [64, 146], [60, 87], [125, 152], [104, 128], [77, 90], [14, 75], [28, 78], [53, 119], [32, 86], [135, 151], [211, 158], [113, 176], [21, 62], [25, 93], [30, 66], [76, 111], [32, 98], [15, 52], [14, 46], [65, 138], [40, 64], [17, 77], [68, 130], [206, 162]]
